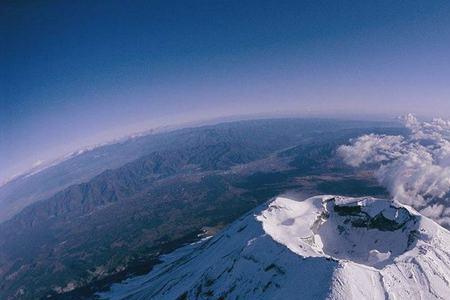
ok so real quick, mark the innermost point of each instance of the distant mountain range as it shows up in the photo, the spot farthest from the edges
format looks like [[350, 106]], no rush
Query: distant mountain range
[[105, 214], [325, 247]]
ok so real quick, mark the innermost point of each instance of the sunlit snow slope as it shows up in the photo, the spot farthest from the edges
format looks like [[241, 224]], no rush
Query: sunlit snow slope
[[326, 247]]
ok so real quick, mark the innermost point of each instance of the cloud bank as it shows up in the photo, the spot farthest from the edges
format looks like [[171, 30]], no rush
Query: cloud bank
[[415, 169]]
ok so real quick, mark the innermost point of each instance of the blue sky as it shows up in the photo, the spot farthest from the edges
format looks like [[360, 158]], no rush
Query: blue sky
[[75, 73]]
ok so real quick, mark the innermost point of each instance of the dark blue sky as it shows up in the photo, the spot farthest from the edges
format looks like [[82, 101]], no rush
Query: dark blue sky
[[75, 73]]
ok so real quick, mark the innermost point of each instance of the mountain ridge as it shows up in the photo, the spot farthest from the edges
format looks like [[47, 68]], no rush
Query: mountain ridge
[[108, 228], [25, 190]]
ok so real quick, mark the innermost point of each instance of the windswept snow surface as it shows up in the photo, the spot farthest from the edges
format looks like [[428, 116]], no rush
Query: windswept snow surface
[[326, 247]]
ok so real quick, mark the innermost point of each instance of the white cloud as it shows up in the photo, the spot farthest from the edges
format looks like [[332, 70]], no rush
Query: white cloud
[[371, 149], [37, 163], [415, 169]]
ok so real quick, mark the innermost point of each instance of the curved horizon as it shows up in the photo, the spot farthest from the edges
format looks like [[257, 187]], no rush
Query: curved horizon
[[78, 74]]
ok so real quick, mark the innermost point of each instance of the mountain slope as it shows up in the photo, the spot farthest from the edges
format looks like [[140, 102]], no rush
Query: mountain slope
[[260, 137], [118, 223], [324, 247]]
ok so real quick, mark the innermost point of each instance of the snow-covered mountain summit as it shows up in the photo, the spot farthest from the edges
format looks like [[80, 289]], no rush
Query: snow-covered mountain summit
[[326, 247]]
